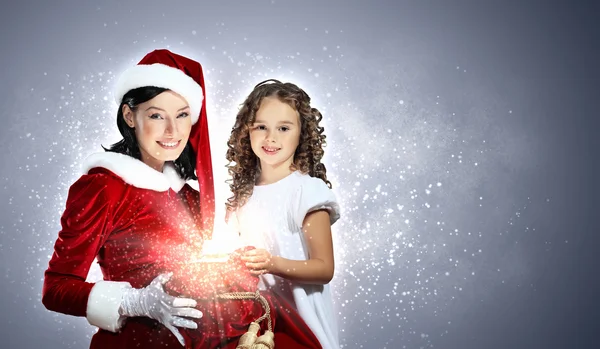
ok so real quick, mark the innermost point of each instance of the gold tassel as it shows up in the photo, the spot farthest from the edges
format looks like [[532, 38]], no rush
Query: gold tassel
[[266, 341], [247, 339]]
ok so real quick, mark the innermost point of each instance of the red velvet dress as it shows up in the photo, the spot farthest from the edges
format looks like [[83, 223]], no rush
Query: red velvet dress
[[137, 233]]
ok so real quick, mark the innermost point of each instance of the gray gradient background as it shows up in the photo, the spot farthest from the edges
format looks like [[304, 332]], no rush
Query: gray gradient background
[[461, 144]]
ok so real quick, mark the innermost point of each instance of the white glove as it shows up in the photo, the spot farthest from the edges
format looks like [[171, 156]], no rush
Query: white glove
[[152, 301]]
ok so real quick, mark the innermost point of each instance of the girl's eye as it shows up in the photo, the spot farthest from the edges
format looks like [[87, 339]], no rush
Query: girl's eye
[[155, 116], [261, 127], [183, 115], [284, 128]]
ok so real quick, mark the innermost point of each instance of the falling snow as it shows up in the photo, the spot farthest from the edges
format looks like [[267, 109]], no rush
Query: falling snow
[[406, 172]]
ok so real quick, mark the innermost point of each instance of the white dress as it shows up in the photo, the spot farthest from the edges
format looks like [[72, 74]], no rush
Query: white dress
[[272, 219]]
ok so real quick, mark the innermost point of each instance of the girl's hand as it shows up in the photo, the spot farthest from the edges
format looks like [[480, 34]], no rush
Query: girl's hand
[[259, 261]]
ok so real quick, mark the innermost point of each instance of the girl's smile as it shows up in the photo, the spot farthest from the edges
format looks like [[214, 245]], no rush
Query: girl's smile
[[270, 150]]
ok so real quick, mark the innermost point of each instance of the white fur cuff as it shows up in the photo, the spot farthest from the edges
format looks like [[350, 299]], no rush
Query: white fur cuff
[[103, 305]]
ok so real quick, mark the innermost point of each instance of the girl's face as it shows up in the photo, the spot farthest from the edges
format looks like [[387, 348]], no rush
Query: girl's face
[[162, 127], [275, 134]]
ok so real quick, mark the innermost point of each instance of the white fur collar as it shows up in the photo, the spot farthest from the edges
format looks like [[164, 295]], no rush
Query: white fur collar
[[136, 173]]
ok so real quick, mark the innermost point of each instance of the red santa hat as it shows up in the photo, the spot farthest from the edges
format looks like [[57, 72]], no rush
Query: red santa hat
[[163, 68]]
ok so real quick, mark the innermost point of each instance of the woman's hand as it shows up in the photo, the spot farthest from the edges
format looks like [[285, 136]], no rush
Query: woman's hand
[[259, 261], [153, 302]]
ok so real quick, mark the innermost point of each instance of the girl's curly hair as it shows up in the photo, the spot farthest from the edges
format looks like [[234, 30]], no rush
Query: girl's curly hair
[[246, 165]]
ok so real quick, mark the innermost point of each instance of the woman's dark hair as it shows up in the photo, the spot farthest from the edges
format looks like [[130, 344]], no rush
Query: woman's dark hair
[[185, 164]]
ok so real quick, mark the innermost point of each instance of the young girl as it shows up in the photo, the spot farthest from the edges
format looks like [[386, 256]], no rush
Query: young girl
[[282, 203]]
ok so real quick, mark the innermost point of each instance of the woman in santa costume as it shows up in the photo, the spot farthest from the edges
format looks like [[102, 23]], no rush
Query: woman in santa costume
[[141, 208]]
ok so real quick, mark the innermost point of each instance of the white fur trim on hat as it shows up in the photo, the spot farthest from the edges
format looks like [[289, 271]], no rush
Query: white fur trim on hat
[[160, 75], [137, 173]]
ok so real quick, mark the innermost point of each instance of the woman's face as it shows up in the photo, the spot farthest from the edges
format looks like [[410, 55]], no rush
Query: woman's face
[[162, 127]]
